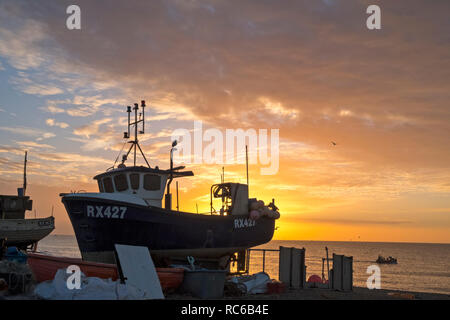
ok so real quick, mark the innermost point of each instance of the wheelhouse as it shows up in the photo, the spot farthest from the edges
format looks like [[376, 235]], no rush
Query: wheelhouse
[[146, 183]]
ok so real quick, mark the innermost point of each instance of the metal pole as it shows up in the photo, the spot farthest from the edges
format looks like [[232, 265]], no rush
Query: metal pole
[[129, 113], [247, 267], [178, 208], [135, 131], [264, 260], [323, 271], [25, 174], [328, 268], [143, 115], [246, 161]]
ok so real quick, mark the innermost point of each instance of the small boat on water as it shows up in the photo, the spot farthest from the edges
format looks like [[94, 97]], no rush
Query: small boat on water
[[388, 260], [128, 210], [44, 267], [14, 228]]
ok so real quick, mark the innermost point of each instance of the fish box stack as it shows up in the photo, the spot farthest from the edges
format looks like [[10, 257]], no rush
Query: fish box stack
[[15, 277], [275, 287]]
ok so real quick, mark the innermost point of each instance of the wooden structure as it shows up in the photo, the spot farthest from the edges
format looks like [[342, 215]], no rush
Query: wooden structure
[[341, 276], [292, 268]]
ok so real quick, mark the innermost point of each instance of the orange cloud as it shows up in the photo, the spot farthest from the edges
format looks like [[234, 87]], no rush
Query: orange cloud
[[310, 69]]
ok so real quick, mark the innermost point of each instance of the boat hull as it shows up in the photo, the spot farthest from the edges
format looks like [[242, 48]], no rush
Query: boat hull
[[100, 223], [24, 232], [44, 268]]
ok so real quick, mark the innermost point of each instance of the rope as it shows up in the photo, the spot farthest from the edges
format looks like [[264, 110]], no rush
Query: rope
[[119, 154]]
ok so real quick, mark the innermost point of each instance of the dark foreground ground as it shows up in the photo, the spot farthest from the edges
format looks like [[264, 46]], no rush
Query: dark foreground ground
[[305, 294], [327, 294]]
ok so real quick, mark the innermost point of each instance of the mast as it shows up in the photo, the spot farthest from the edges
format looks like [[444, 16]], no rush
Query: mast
[[25, 174], [135, 143], [246, 163], [178, 206], [168, 199], [135, 131]]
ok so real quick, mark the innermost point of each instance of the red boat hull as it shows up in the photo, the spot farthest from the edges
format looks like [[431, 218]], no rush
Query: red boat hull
[[44, 268]]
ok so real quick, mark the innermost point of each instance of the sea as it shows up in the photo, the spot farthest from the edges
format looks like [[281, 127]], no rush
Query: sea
[[422, 267]]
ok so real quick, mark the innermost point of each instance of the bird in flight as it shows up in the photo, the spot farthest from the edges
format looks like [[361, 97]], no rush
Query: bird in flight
[[333, 143]]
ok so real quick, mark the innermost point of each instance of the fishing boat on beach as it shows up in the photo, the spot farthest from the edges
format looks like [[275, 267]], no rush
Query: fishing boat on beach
[[128, 210], [15, 230]]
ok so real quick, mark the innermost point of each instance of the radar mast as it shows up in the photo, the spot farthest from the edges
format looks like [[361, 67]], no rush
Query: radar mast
[[126, 135]]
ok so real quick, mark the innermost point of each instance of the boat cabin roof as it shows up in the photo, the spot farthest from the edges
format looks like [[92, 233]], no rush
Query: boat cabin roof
[[142, 169], [143, 182]]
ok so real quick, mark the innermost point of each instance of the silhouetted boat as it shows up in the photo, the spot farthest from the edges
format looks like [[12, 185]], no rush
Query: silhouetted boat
[[23, 233], [14, 228], [128, 210], [388, 260]]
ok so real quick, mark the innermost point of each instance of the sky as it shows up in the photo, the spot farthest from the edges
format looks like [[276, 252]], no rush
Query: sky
[[311, 69]]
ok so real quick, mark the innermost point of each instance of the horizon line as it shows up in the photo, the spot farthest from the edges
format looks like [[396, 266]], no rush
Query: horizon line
[[405, 242]]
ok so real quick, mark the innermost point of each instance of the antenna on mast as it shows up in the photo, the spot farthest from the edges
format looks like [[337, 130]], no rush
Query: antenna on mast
[[223, 174], [246, 162], [25, 174], [126, 135]]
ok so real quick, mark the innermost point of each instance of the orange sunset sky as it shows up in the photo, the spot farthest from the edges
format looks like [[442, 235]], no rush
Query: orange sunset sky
[[311, 69]]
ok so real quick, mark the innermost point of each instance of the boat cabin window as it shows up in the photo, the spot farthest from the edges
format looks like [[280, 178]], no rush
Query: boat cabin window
[[100, 185], [152, 182], [121, 182], [107, 183], [134, 180]]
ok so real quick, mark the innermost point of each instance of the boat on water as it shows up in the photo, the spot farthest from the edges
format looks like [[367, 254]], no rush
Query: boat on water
[[44, 268], [128, 210], [14, 228], [388, 260]]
